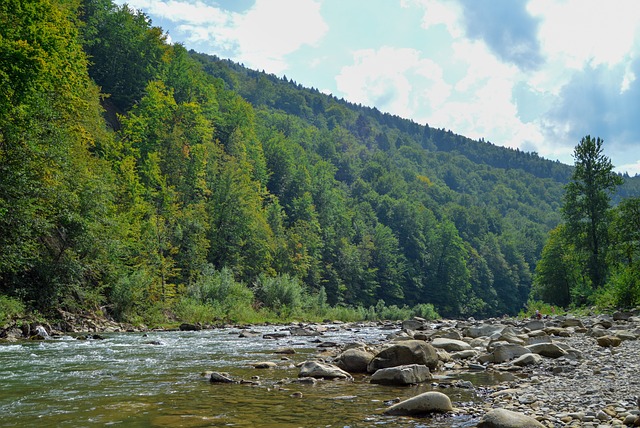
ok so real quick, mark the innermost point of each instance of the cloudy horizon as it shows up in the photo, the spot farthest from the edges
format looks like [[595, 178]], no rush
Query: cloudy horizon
[[537, 75]]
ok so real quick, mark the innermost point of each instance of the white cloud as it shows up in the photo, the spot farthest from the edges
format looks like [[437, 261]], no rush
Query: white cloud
[[396, 80], [581, 32], [438, 12], [271, 29], [261, 37], [631, 168]]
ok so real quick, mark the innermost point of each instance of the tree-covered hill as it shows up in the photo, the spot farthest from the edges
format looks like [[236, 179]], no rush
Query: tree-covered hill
[[140, 178]]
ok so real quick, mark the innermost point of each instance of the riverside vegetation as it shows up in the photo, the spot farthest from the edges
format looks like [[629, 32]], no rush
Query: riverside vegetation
[[151, 184]]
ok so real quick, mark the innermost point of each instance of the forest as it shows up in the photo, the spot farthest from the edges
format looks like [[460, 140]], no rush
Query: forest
[[148, 182]]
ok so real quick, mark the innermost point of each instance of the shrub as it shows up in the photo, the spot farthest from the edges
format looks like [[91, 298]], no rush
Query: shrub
[[10, 308], [280, 293]]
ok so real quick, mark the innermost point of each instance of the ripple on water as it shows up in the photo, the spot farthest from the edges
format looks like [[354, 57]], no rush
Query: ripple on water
[[153, 379]]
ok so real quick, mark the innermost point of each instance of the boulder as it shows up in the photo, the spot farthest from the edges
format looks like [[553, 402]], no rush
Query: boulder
[[550, 350], [264, 365], [354, 360], [527, 360], [413, 324], [402, 375], [622, 316], [322, 371], [502, 418], [557, 331], [427, 402], [483, 330], [463, 355], [534, 325], [450, 345], [449, 334], [217, 377], [303, 331], [571, 322], [190, 327], [609, 341], [403, 353], [508, 351]]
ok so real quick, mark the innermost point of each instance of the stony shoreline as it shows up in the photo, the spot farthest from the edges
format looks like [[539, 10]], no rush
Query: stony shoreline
[[565, 371], [580, 374]]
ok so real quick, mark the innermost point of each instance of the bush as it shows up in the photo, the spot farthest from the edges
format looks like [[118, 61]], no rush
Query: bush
[[10, 308], [426, 311], [128, 294], [621, 291], [280, 293], [538, 305], [220, 288]]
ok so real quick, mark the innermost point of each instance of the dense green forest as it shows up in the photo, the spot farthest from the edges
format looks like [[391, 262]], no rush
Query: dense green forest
[[147, 181]]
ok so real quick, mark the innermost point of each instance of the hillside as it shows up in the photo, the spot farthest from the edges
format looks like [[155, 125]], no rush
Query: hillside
[[142, 179]]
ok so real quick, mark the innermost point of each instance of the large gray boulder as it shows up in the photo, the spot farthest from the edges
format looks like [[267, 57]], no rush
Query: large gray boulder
[[322, 371], [508, 351], [483, 330], [527, 360], [427, 402], [354, 360], [534, 325], [413, 324], [450, 345], [550, 350], [403, 353], [502, 418], [402, 375]]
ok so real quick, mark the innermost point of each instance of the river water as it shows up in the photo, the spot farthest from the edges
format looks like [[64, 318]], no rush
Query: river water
[[155, 380]]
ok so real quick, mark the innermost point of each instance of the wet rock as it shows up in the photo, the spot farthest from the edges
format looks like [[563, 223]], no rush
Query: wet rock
[[190, 327], [427, 402], [217, 377], [503, 418], [264, 365], [285, 351], [402, 375], [322, 370], [303, 331], [354, 360], [403, 353]]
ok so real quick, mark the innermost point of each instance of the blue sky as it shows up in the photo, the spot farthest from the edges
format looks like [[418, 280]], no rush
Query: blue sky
[[531, 74]]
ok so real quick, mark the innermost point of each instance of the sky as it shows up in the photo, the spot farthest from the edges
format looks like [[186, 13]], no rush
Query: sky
[[537, 75]]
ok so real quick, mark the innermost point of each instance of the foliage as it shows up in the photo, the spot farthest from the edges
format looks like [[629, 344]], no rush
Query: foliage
[[10, 308], [587, 203], [151, 180]]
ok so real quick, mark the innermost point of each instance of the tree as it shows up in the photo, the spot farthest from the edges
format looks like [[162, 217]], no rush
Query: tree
[[586, 205]]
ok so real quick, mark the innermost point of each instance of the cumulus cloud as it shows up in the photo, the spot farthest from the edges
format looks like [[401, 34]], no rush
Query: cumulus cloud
[[260, 37], [506, 27], [396, 80], [592, 102]]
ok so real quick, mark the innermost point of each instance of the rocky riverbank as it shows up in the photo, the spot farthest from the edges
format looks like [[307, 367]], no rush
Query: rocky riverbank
[[564, 371], [582, 372]]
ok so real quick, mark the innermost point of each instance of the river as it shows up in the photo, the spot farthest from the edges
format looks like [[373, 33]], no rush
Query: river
[[155, 379]]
